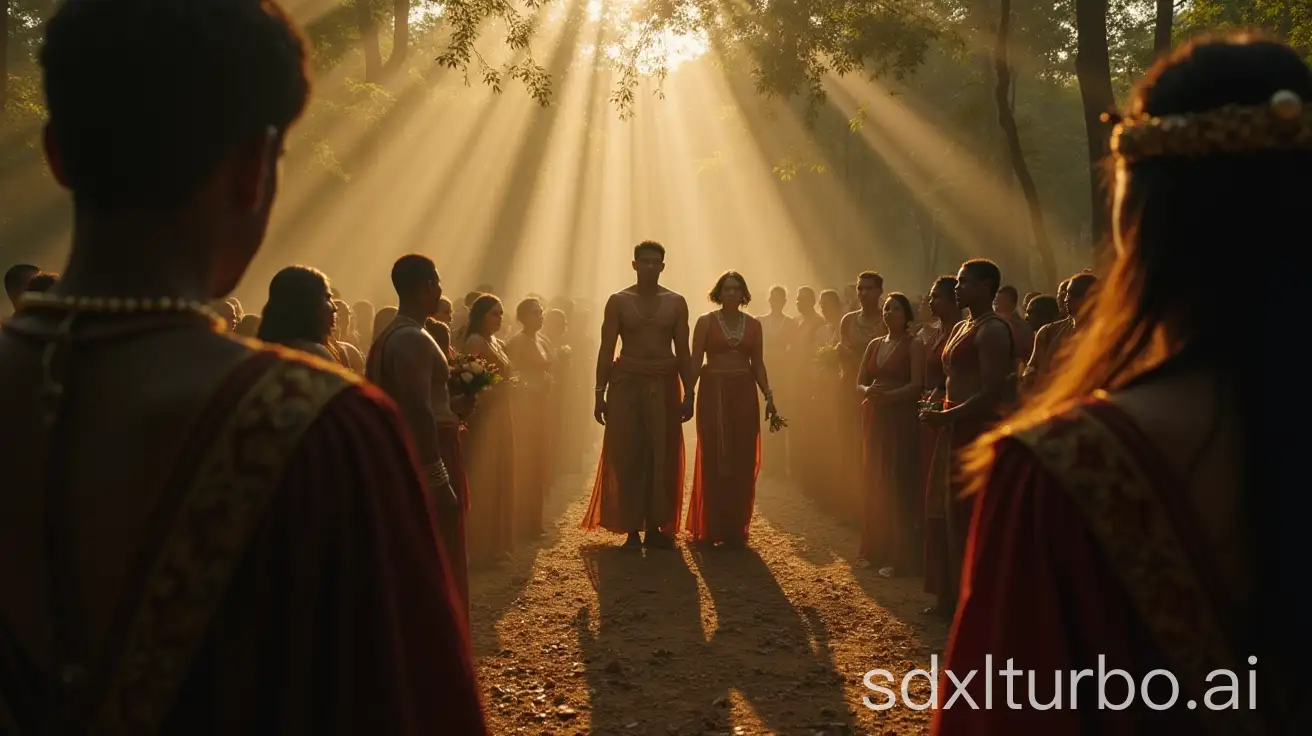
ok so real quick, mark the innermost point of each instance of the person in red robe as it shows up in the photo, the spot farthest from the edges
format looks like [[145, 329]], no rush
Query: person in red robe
[[199, 533], [728, 460], [890, 380], [1128, 517]]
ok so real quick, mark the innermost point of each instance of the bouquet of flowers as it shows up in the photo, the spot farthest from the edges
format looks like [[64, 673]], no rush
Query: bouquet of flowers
[[777, 422], [930, 404], [827, 357], [470, 375]]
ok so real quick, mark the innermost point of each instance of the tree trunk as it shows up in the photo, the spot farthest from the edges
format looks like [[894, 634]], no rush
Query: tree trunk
[[1162, 28], [1093, 69], [400, 33], [4, 57], [368, 26], [1007, 120], [928, 242]]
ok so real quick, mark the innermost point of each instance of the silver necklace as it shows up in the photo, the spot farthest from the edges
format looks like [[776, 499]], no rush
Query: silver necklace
[[734, 336]]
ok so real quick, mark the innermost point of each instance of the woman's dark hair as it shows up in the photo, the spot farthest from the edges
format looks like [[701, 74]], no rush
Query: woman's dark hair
[[718, 290], [1041, 311], [1158, 309], [478, 316], [904, 304], [294, 311], [525, 307]]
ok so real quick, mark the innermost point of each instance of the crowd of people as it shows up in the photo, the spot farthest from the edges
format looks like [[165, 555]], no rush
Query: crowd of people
[[206, 534]]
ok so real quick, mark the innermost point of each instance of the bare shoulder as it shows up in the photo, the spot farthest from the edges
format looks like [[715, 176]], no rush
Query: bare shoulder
[[994, 329]]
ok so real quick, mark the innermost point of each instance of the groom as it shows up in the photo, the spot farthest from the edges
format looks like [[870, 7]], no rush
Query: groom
[[639, 484]]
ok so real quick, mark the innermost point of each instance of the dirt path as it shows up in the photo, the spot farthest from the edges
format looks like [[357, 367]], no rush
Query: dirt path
[[578, 636]]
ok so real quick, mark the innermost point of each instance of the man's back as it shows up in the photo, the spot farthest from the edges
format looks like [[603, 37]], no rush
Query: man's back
[[225, 507]]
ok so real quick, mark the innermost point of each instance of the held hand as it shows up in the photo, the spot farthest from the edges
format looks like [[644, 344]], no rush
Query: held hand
[[688, 404], [599, 410], [770, 410], [935, 418]]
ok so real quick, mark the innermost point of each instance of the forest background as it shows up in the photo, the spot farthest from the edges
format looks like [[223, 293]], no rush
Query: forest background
[[528, 143]]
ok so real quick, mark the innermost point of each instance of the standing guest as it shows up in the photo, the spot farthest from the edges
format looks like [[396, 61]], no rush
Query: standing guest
[[533, 356], [978, 360], [248, 550], [1131, 518], [892, 372], [936, 456], [491, 438], [728, 458], [407, 363], [301, 314]]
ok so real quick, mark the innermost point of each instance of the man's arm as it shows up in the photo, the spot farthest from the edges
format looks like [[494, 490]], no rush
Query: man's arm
[[993, 343], [610, 337], [413, 356], [681, 350], [699, 346]]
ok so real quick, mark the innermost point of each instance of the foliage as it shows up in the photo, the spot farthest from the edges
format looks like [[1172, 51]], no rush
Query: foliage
[[789, 46], [1288, 19]]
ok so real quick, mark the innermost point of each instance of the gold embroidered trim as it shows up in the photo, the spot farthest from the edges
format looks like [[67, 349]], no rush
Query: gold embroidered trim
[[1134, 530], [233, 484]]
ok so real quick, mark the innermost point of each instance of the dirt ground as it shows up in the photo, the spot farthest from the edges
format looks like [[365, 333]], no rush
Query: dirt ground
[[575, 635]]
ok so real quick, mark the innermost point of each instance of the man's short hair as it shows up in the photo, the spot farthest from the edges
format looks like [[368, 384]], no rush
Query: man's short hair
[[411, 273], [18, 275], [985, 270], [873, 276], [651, 246], [146, 98], [1010, 291]]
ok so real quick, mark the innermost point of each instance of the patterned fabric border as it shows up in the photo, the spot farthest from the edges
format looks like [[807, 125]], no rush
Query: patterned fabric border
[[207, 539], [1135, 531]]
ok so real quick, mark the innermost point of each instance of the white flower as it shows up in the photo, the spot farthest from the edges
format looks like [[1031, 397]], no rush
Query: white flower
[[467, 377], [475, 368]]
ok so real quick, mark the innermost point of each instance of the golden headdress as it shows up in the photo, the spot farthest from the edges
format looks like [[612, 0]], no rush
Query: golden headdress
[[1283, 124]]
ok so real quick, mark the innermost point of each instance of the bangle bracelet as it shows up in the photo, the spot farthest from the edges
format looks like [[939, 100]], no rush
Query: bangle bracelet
[[599, 390]]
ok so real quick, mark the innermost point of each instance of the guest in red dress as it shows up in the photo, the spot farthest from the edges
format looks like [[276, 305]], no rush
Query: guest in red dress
[[936, 453], [1130, 515], [731, 343], [891, 373]]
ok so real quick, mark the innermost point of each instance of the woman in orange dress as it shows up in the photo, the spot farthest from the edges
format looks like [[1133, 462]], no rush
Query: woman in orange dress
[[491, 439], [892, 370], [531, 353], [1136, 514], [728, 429]]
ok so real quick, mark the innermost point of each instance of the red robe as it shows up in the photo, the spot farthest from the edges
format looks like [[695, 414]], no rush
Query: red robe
[[292, 581], [1077, 551]]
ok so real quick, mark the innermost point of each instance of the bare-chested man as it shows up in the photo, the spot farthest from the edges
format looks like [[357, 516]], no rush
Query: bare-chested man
[[640, 475], [859, 327], [980, 364], [407, 362]]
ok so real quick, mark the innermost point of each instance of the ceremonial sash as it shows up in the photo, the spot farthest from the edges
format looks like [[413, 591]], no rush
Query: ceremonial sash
[[1134, 529]]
